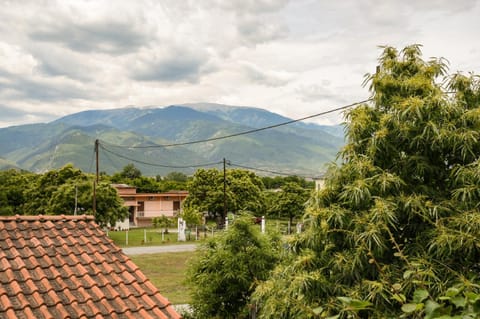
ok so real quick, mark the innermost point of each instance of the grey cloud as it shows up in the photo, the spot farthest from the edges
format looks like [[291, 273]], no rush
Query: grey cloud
[[258, 30], [252, 6], [61, 62], [10, 114], [26, 88], [174, 65], [15, 115], [105, 37], [314, 92], [267, 78]]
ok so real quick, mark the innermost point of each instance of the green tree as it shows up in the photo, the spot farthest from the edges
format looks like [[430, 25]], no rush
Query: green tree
[[13, 186], [192, 218], [61, 191], [76, 196], [41, 190], [130, 172], [400, 214], [227, 268], [163, 222], [291, 202], [176, 177], [243, 192]]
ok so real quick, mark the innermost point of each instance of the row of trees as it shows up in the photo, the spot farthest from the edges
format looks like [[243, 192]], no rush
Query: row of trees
[[64, 191], [69, 190], [394, 233], [243, 191]]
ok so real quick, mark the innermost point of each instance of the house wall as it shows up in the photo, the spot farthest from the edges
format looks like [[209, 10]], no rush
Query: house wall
[[148, 206]]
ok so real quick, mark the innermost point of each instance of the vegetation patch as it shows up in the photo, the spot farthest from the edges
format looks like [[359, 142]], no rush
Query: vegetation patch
[[167, 272]]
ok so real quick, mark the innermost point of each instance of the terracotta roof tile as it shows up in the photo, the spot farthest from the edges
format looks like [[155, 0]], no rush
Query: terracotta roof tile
[[66, 267]]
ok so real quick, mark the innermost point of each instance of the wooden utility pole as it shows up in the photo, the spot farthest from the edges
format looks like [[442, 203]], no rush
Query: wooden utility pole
[[95, 182], [224, 190]]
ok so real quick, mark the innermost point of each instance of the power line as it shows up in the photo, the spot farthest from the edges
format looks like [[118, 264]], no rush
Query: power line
[[268, 171], [228, 162], [249, 131], [157, 165]]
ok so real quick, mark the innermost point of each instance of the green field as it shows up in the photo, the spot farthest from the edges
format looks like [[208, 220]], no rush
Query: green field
[[137, 236], [167, 272], [153, 236]]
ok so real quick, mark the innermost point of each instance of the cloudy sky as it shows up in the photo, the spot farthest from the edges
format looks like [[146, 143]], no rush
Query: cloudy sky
[[296, 58]]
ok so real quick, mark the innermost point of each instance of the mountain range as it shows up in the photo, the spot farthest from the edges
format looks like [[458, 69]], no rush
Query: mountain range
[[135, 135]]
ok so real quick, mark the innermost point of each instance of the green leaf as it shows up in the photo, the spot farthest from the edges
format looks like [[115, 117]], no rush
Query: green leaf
[[420, 295], [407, 274], [400, 298], [317, 310], [409, 307], [472, 297], [360, 304], [397, 286], [459, 301], [452, 292], [430, 307], [345, 300]]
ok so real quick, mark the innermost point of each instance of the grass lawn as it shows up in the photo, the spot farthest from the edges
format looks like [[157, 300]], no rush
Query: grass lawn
[[167, 272], [136, 237]]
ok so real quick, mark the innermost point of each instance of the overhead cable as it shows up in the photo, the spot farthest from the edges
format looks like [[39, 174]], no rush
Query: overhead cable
[[249, 131], [158, 165], [268, 171]]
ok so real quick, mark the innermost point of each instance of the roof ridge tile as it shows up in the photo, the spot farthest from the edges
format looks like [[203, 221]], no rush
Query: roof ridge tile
[[43, 218]]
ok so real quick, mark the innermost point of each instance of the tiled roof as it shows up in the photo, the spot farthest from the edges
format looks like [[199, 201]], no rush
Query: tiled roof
[[66, 267]]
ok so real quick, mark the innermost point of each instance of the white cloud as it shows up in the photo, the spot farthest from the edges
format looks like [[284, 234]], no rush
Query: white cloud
[[15, 60], [293, 57]]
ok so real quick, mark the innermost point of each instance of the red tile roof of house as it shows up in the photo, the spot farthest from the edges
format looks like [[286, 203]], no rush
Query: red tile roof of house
[[66, 267]]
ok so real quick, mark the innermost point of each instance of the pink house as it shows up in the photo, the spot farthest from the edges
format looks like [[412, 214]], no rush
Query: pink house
[[143, 207]]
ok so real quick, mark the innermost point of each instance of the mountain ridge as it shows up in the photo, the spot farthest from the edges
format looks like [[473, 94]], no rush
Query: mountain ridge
[[136, 134]]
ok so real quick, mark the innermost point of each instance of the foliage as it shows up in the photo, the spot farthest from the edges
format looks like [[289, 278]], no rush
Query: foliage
[[243, 192], [191, 216], [12, 191], [278, 181], [176, 177], [290, 202], [163, 222], [132, 176], [400, 214], [130, 172], [227, 269], [457, 302], [59, 192]]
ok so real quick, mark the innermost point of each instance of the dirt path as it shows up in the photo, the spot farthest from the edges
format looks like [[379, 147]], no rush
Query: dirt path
[[158, 249]]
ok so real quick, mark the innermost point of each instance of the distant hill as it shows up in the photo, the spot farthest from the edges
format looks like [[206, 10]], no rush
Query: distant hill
[[296, 148]]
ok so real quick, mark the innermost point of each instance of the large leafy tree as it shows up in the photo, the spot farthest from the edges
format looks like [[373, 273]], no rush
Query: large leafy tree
[[67, 190], [13, 184], [228, 267], [290, 202], [243, 192], [399, 219]]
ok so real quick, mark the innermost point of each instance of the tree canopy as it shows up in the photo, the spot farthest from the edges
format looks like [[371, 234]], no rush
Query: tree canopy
[[290, 202], [398, 219], [243, 191], [63, 191], [227, 268]]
